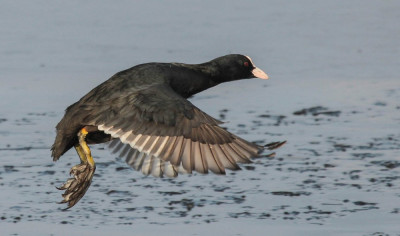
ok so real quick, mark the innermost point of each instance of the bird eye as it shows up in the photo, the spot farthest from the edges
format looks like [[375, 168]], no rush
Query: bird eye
[[246, 64]]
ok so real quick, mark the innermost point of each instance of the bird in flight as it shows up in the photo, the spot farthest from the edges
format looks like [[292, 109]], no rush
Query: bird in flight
[[145, 114]]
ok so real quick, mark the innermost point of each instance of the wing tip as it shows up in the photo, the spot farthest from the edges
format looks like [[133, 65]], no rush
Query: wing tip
[[274, 145]]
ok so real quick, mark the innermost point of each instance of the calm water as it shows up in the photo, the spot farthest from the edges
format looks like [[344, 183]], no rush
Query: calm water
[[334, 94]]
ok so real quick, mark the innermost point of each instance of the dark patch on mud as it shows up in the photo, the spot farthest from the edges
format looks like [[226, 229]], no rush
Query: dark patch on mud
[[387, 164], [9, 169], [362, 203], [172, 193], [47, 172], [290, 194], [316, 111], [279, 119], [223, 113]]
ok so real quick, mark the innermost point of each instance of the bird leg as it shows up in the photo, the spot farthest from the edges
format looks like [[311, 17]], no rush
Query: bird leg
[[75, 188]]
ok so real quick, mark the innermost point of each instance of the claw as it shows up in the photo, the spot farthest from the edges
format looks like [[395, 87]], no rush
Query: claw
[[78, 169], [65, 185], [77, 186]]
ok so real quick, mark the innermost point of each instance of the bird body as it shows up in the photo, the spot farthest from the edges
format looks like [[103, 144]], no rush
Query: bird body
[[145, 112]]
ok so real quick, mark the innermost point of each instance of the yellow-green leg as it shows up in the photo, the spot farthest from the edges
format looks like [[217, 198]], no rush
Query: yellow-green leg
[[76, 187]]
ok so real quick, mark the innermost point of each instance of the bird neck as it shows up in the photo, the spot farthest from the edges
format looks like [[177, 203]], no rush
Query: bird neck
[[195, 79]]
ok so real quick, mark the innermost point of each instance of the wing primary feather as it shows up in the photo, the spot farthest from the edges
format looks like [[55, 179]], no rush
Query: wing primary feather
[[156, 169], [219, 168], [211, 158], [221, 135], [208, 134], [185, 155], [142, 142], [176, 152], [119, 133], [230, 158], [181, 170], [130, 138], [139, 160], [198, 158], [113, 143], [125, 150], [147, 164], [125, 136], [168, 148], [169, 170], [199, 134], [150, 143], [241, 157], [250, 147], [223, 158], [236, 157], [118, 147], [131, 158], [205, 154], [159, 146], [247, 154], [134, 140]]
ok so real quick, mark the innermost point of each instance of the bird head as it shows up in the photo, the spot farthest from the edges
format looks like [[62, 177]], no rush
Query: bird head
[[235, 67]]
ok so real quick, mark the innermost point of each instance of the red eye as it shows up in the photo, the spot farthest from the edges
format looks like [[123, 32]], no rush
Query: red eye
[[246, 64]]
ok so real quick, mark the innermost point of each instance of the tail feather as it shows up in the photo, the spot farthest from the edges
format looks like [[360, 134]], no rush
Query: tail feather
[[67, 129], [61, 145]]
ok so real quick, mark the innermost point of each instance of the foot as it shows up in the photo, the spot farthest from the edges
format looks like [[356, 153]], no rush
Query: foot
[[76, 187]]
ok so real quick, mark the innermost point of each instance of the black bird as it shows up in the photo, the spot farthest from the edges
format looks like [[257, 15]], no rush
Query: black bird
[[145, 112]]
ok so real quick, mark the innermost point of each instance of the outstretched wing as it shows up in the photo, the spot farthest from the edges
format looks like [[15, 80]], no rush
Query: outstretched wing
[[160, 132]]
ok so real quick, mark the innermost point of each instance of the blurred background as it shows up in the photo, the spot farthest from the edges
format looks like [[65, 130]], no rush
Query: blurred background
[[333, 94]]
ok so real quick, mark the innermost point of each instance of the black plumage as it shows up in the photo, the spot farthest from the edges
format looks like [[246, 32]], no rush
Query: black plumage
[[145, 112]]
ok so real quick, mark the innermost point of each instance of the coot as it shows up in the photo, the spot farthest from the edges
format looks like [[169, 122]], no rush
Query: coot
[[144, 111]]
